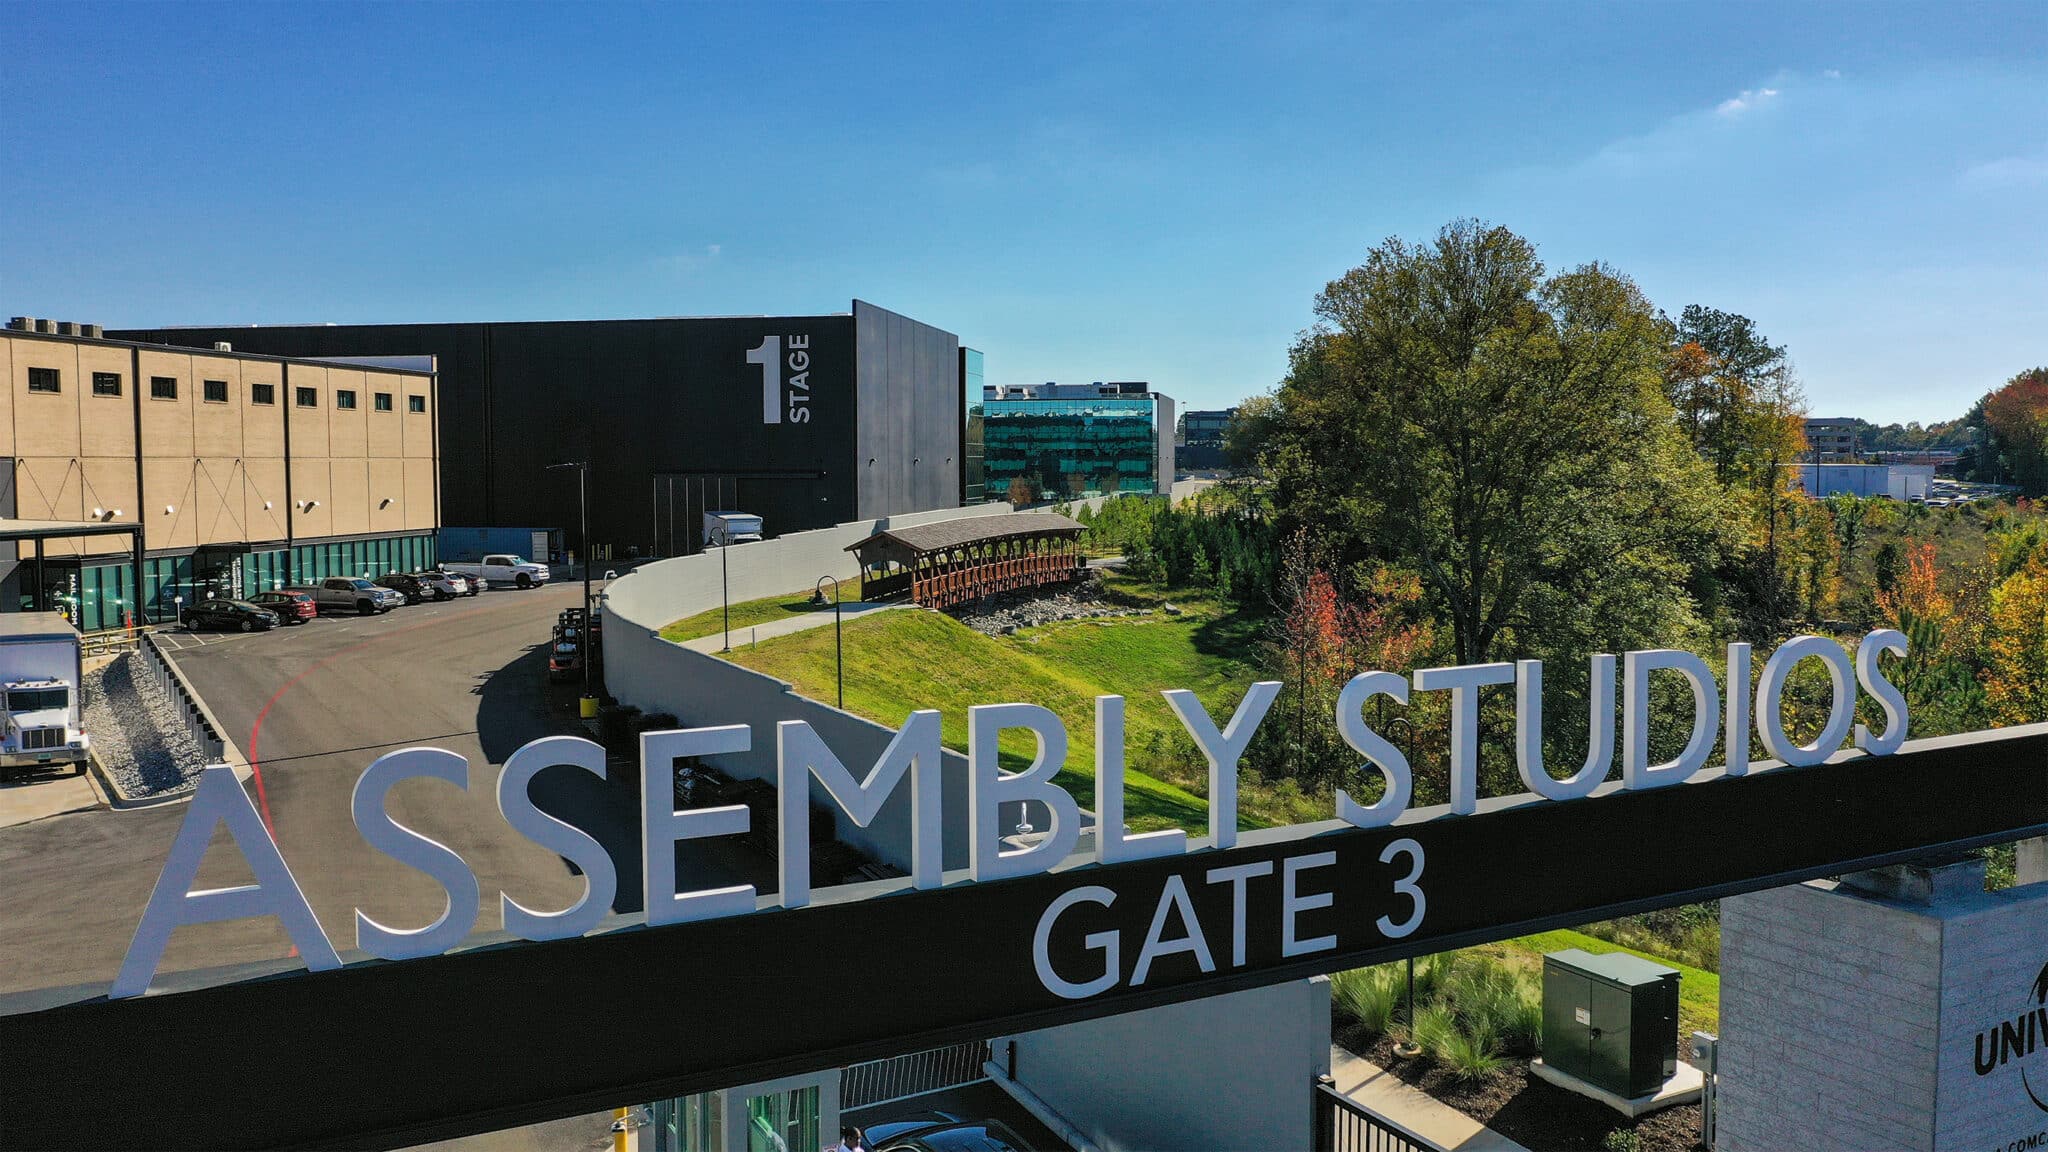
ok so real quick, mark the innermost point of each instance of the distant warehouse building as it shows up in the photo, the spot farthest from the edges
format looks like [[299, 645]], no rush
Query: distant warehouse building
[[1069, 440], [805, 421], [1897, 481], [1831, 439], [237, 472]]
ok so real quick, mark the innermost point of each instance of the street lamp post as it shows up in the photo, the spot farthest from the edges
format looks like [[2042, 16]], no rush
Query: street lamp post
[[725, 586], [838, 637], [582, 468]]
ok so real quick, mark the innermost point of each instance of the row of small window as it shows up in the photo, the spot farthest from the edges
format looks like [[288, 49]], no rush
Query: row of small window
[[216, 391]]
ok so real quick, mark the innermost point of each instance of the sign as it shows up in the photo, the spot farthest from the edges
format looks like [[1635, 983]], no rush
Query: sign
[[915, 755], [506, 1033], [782, 393]]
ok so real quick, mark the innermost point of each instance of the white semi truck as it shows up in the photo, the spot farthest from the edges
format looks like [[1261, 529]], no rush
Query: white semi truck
[[41, 671], [721, 528]]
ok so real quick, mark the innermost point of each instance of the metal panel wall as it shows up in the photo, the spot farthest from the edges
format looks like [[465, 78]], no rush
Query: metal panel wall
[[909, 416]]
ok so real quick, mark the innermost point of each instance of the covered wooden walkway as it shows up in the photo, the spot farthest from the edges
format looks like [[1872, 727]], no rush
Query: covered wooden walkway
[[955, 562]]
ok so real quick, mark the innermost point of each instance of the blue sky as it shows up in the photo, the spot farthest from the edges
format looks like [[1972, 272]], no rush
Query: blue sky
[[1084, 192]]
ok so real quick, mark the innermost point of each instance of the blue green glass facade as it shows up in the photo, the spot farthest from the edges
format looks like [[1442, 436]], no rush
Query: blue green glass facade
[[99, 591], [973, 475], [1066, 448]]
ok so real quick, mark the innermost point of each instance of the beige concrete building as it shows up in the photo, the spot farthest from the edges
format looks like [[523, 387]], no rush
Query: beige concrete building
[[242, 472]]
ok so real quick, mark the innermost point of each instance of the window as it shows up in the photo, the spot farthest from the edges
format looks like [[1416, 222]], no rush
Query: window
[[415, 403], [262, 393], [106, 383], [382, 400], [344, 398], [45, 380], [163, 387], [216, 391], [306, 397]]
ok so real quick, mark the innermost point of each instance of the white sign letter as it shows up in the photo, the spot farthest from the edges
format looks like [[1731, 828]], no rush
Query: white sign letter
[[1375, 748], [1175, 898], [1636, 770], [661, 825], [989, 787], [1235, 876], [1223, 750], [1770, 691], [600, 878], [1464, 683], [1292, 905], [412, 849], [1103, 942], [1529, 732], [1735, 738], [1111, 845], [800, 753], [1872, 678], [219, 799]]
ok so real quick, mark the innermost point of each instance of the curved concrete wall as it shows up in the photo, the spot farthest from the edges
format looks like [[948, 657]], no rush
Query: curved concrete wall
[[656, 676]]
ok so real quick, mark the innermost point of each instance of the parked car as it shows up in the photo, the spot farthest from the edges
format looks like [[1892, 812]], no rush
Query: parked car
[[565, 660], [234, 615], [476, 582], [445, 585], [349, 593], [411, 587], [944, 1132], [290, 607], [503, 568]]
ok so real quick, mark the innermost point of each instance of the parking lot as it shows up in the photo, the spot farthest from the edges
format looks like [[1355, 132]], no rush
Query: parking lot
[[311, 705]]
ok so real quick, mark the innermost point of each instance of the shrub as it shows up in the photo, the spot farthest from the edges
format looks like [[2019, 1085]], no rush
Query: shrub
[[1621, 1140], [1435, 1026], [1369, 995], [1469, 1055]]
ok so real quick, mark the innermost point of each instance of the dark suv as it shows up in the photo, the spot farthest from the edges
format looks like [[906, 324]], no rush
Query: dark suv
[[412, 588], [236, 615]]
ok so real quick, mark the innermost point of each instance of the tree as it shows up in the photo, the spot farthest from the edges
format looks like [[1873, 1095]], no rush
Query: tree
[[2016, 680], [1021, 492], [2016, 417], [1504, 435]]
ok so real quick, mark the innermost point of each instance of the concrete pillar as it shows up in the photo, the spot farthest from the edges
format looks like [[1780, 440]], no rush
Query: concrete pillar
[[2030, 860], [1902, 1008]]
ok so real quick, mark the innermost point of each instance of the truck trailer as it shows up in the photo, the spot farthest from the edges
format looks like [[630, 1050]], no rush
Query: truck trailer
[[42, 673]]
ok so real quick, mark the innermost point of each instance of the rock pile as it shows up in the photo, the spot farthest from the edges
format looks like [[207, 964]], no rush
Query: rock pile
[[138, 733], [1083, 599]]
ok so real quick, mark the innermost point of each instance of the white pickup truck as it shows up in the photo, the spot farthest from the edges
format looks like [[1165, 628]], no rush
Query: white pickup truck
[[42, 720], [503, 570]]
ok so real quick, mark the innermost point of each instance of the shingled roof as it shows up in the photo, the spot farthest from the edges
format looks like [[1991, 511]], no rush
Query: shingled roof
[[972, 530]]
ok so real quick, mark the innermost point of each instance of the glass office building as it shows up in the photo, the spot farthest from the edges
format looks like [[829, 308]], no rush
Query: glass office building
[[973, 484], [1077, 440]]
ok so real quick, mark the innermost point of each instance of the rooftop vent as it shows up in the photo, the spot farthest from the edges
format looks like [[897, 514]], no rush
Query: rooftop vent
[[22, 324], [45, 326], [66, 328], [92, 330]]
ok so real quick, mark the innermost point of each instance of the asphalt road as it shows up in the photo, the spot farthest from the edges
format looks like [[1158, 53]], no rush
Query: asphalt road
[[312, 706]]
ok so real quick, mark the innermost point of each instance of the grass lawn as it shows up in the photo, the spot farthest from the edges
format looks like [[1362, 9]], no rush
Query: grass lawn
[[745, 614], [896, 661], [1699, 991]]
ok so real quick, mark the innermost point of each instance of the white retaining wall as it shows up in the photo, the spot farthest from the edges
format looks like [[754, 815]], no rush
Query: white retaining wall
[[701, 690]]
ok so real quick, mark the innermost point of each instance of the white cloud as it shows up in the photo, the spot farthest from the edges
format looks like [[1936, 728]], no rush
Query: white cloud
[[2005, 173], [713, 250], [1831, 74], [1749, 99]]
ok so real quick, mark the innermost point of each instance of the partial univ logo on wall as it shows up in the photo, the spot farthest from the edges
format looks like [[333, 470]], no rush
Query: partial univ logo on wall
[[2020, 1044]]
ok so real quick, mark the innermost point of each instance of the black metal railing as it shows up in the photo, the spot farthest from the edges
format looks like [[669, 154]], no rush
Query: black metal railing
[[879, 1081], [1343, 1126]]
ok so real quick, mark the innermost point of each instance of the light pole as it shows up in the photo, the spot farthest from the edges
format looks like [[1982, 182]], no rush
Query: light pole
[[725, 586], [582, 468], [838, 638]]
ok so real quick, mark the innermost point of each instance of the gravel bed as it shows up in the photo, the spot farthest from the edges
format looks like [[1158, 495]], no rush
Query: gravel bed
[[1083, 599], [138, 733]]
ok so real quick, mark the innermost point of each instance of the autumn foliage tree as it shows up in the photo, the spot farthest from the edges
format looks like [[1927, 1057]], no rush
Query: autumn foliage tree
[[2016, 678], [2016, 419]]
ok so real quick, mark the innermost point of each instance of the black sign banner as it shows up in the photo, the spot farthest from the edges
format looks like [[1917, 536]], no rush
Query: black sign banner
[[515, 1033]]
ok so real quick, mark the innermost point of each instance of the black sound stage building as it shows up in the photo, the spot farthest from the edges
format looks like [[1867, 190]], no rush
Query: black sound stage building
[[805, 421]]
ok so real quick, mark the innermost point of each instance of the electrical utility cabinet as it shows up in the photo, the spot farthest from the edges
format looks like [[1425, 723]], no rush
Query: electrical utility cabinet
[[1610, 1020]]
